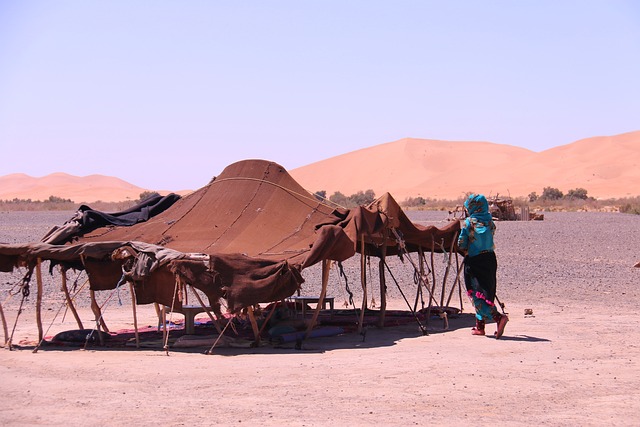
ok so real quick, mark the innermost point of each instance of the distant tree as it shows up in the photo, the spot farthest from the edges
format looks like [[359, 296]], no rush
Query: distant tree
[[363, 198], [550, 193], [414, 201], [357, 199], [145, 195], [533, 196], [56, 199], [577, 193], [338, 198]]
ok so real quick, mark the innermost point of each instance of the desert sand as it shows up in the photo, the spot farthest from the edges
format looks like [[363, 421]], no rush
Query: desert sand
[[575, 361], [606, 166], [85, 189]]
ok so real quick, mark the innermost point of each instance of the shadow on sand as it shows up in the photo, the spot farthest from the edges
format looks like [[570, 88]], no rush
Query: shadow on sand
[[398, 327]]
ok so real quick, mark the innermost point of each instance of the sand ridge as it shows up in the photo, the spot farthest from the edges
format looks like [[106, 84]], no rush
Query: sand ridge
[[606, 166]]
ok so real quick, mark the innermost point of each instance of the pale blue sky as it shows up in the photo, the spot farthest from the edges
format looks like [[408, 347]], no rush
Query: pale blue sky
[[165, 94]]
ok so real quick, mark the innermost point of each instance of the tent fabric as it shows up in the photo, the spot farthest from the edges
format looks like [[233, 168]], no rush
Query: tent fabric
[[245, 237], [86, 219]]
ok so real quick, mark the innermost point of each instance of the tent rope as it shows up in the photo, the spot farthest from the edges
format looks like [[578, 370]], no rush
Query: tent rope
[[15, 323], [307, 196], [210, 351], [24, 288], [418, 282], [22, 285], [415, 316], [99, 319], [346, 283], [403, 249]]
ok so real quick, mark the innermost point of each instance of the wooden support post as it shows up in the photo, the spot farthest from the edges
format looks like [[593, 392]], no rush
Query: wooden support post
[[135, 315], [460, 267], [254, 324], [98, 316], [433, 273], [326, 266], [363, 281], [102, 322], [159, 314], [266, 320], [446, 272], [67, 296], [456, 282], [163, 317], [421, 273], [383, 281], [4, 326], [39, 299]]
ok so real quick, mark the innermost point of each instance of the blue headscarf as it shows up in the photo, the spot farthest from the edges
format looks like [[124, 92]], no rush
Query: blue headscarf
[[478, 208], [477, 234]]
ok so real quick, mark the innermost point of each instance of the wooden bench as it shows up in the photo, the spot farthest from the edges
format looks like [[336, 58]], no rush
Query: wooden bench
[[304, 300], [190, 312]]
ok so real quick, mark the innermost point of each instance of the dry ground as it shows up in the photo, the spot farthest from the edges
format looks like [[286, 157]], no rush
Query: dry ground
[[575, 362]]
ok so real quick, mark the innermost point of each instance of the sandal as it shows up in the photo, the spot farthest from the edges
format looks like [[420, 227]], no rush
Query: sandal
[[502, 322]]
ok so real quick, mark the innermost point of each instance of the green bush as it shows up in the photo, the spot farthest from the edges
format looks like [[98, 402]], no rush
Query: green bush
[[551, 193], [577, 193], [357, 199]]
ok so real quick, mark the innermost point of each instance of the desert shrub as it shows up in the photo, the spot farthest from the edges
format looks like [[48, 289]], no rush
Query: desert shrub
[[357, 199], [145, 195], [630, 205], [412, 202], [338, 198], [363, 198], [577, 193], [551, 193], [56, 199]]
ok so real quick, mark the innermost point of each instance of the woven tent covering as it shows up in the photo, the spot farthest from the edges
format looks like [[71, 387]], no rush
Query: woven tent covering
[[245, 237]]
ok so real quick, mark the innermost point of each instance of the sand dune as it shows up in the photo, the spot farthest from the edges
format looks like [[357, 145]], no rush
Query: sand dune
[[607, 166], [77, 188]]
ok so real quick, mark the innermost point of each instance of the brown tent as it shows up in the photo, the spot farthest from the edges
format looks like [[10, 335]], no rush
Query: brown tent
[[245, 237]]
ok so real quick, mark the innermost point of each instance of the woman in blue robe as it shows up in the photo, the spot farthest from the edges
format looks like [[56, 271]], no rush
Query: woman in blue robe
[[480, 263]]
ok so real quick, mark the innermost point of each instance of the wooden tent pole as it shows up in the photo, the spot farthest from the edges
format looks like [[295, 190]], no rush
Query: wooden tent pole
[[383, 281], [326, 267], [421, 272], [39, 299], [433, 273], [363, 281], [460, 267], [456, 281], [163, 317], [97, 314], [97, 311], [446, 275], [135, 315], [266, 320], [159, 314], [254, 324], [67, 296], [4, 326]]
